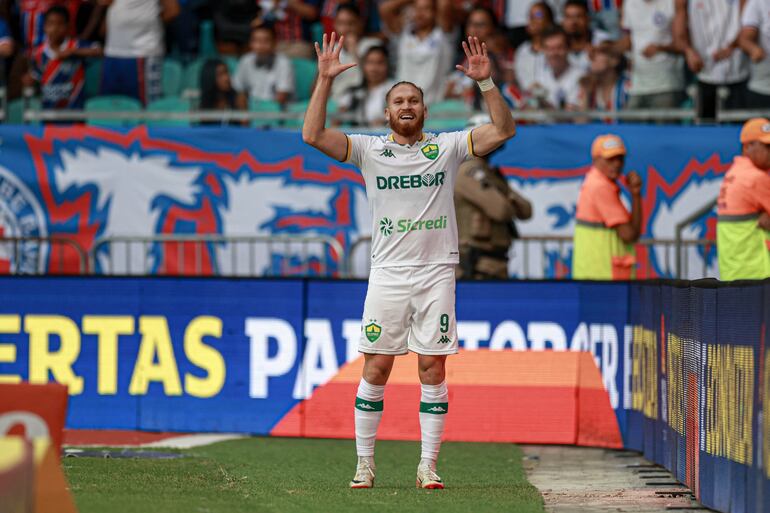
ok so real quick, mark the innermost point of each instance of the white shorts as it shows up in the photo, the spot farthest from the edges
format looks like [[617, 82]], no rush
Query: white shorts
[[410, 309]]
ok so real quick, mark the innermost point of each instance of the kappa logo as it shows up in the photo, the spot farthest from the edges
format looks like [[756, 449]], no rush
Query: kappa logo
[[430, 151], [372, 331], [21, 216], [364, 406], [444, 339], [437, 409], [387, 153]]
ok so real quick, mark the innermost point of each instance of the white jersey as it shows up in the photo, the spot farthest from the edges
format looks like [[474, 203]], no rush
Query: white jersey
[[756, 14], [411, 195], [651, 22], [134, 29], [714, 25], [426, 62]]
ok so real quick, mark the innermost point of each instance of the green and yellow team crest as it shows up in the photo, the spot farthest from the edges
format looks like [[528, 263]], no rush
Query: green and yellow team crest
[[430, 151], [372, 331]]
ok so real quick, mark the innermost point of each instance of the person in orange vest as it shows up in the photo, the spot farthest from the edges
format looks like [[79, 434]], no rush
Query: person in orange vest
[[604, 230], [743, 208]]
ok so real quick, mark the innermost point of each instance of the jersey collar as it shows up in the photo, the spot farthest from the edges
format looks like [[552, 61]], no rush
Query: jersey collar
[[422, 139], [49, 52]]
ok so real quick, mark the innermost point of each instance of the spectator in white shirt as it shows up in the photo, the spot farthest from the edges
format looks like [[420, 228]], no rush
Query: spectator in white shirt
[[529, 62], [576, 22], [755, 41], [517, 14], [605, 87], [134, 48], [482, 24], [707, 31], [348, 23], [365, 102], [263, 74], [425, 43], [559, 86], [657, 73]]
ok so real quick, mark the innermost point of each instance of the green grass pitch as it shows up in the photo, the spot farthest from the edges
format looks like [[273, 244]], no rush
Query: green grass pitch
[[301, 475]]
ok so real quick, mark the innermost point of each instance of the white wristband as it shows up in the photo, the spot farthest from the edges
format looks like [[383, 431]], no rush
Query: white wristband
[[486, 84]]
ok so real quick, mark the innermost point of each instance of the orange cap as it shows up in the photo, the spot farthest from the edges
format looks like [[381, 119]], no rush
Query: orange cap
[[608, 146], [756, 129]]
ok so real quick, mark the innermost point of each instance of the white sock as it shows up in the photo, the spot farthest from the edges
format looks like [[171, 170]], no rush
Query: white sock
[[368, 412], [434, 404]]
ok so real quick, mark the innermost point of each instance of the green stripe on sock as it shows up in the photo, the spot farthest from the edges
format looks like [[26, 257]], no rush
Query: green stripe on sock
[[364, 405], [434, 408]]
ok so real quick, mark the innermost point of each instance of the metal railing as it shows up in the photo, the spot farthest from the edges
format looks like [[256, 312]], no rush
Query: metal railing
[[228, 116], [549, 257], [680, 227], [546, 116], [219, 255], [42, 255], [532, 257]]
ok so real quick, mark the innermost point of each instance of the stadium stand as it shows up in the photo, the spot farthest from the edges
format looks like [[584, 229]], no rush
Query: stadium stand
[[181, 73]]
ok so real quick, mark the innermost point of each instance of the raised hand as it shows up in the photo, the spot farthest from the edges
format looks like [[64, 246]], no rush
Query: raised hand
[[634, 183], [329, 65], [479, 66]]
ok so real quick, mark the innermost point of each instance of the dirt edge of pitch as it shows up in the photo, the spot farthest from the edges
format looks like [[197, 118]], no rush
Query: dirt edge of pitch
[[588, 480]]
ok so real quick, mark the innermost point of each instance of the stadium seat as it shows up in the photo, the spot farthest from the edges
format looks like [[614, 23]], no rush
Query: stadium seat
[[113, 104], [331, 108], [317, 32], [172, 77], [206, 44], [304, 75], [93, 77], [15, 111], [265, 106], [192, 74], [231, 61], [457, 108], [169, 104]]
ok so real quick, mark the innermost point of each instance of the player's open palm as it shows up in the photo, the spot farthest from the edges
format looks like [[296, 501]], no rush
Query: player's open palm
[[478, 64], [329, 65]]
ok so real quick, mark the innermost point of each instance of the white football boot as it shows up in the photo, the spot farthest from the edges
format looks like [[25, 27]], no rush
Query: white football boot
[[364, 477], [427, 477]]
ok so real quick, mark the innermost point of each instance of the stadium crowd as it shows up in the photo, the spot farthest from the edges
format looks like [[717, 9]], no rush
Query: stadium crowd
[[556, 54]]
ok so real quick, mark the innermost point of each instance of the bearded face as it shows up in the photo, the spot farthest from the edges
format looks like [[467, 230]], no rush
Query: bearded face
[[405, 111]]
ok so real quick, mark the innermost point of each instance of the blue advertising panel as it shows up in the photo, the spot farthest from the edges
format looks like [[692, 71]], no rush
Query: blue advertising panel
[[236, 355], [684, 364], [158, 354]]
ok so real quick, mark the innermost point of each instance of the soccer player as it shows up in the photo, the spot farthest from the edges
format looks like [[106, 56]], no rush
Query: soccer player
[[410, 302]]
